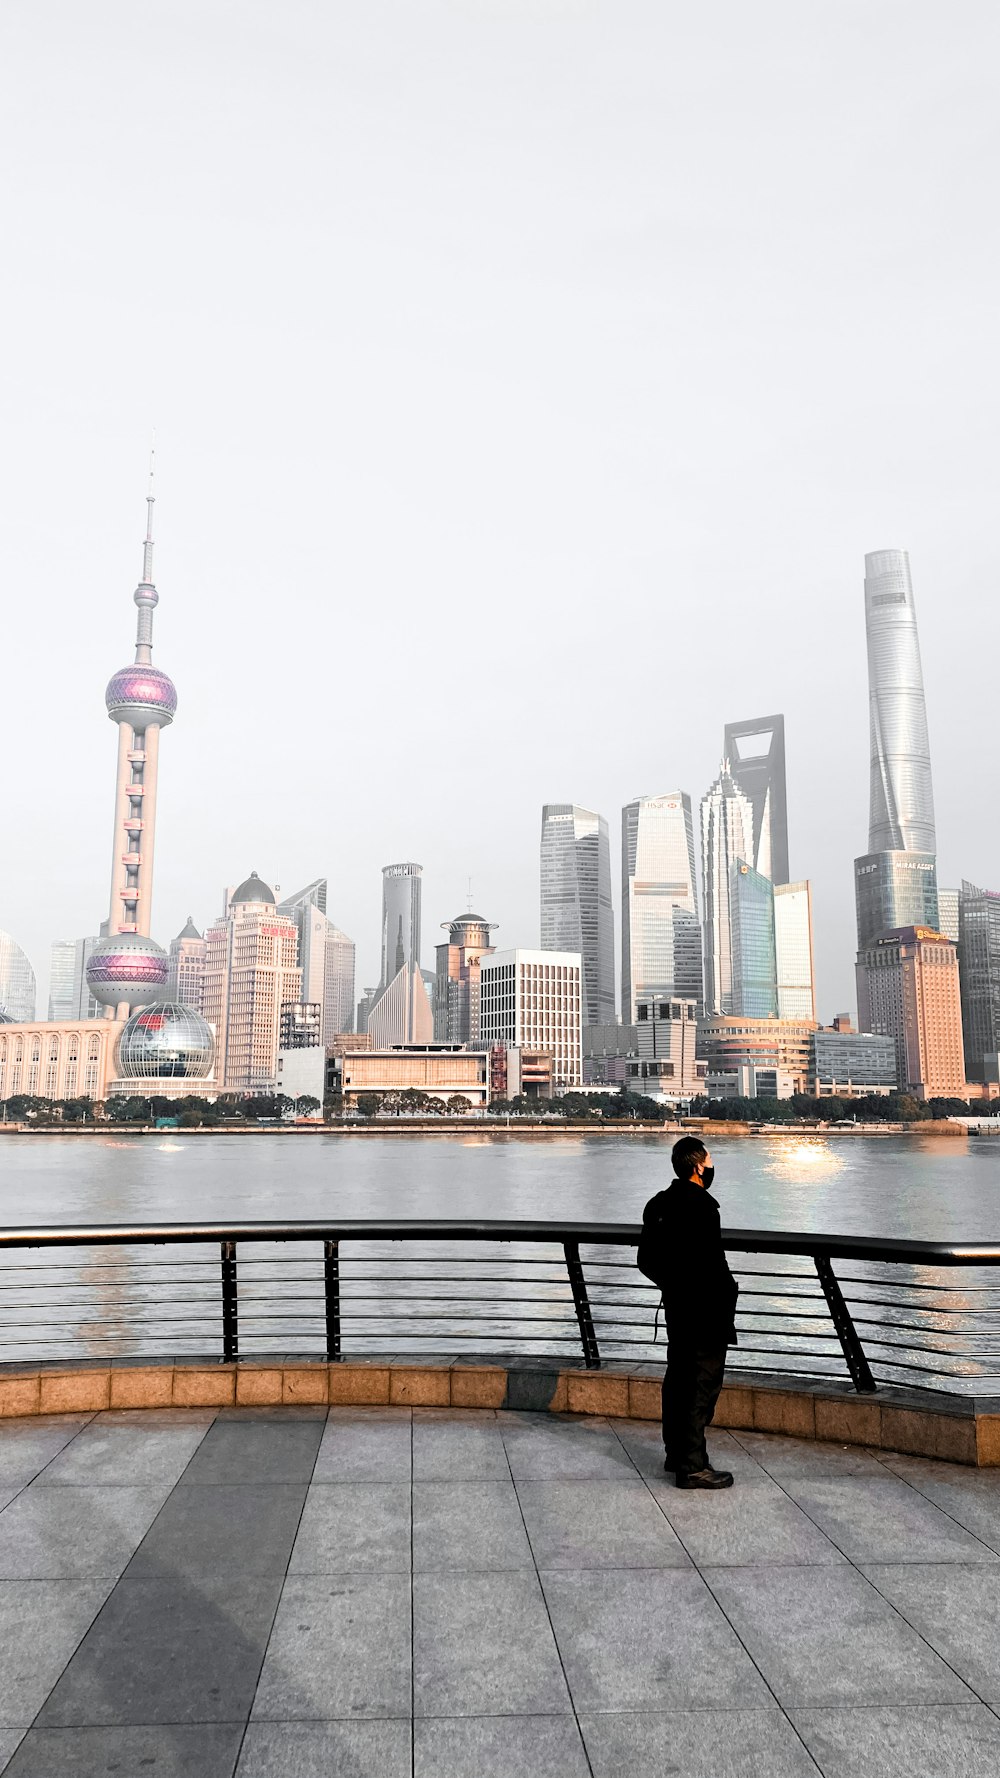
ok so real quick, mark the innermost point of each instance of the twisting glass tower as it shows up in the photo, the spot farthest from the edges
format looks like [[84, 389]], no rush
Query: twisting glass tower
[[128, 967], [901, 817]]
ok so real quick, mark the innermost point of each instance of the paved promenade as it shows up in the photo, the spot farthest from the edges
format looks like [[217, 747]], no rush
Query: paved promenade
[[381, 1593]]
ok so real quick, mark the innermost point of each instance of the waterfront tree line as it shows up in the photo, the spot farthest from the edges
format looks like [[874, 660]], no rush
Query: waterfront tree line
[[230, 1110]]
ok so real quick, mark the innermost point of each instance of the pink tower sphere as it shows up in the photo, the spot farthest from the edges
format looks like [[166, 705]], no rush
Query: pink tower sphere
[[141, 695]]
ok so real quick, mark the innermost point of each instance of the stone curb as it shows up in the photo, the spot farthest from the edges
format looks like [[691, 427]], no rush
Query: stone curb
[[959, 1431]]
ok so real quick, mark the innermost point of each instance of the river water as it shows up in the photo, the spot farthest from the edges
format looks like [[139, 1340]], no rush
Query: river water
[[932, 1188], [120, 1301]]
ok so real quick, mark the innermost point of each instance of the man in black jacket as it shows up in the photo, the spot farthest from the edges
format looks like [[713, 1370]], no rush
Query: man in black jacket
[[681, 1251]]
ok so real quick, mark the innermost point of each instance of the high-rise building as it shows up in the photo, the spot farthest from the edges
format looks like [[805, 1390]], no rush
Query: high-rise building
[[251, 972], [661, 932], [908, 989], [901, 815], [726, 837], [301, 1055], [62, 979], [402, 1013], [18, 993], [754, 971], [979, 975], [186, 967], [755, 750], [896, 880], [338, 984], [851, 1064], [793, 950], [456, 983], [401, 887], [576, 910], [664, 1065], [128, 968], [948, 900], [532, 1001]]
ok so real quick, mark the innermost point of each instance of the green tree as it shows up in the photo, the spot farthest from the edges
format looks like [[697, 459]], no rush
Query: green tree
[[458, 1104], [307, 1106], [369, 1104]]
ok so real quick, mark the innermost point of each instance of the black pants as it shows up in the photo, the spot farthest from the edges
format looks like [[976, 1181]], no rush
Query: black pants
[[690, 1391]]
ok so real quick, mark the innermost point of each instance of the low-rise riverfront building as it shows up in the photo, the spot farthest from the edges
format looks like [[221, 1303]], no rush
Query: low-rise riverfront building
[[781, 1047], [437, 1069]]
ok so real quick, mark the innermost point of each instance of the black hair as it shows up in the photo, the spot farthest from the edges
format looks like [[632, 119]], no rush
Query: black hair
[[685, 1154]]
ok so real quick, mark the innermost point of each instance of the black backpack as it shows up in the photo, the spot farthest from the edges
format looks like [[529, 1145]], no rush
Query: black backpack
[[649, 1255]]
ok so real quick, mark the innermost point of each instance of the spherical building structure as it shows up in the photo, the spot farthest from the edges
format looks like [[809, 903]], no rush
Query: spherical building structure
[[127, 969], [166, 1041], [141, 695]]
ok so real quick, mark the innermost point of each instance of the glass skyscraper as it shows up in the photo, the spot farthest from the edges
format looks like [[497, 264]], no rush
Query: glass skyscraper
[[751, 912], [793, 951], [576, 910], [756, 753], [661, 934], [726, 838], [17, 981], [401, 886], [979, 975]]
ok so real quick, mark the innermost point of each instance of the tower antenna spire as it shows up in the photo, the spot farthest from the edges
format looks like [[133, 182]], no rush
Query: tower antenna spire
[[147, 554]]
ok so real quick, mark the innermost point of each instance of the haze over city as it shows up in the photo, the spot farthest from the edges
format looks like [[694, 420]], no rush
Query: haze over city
[[494, 477]]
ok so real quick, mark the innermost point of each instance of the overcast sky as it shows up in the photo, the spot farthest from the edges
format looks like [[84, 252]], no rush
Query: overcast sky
[[529, 380]]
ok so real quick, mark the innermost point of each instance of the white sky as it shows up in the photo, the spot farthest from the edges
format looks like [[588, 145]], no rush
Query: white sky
[[529, 381]]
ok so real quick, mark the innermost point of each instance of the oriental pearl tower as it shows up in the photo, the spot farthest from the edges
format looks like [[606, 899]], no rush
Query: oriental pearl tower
[[128, 968]]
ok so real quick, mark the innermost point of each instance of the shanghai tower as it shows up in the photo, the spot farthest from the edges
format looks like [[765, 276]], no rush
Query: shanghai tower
[[896, 882]]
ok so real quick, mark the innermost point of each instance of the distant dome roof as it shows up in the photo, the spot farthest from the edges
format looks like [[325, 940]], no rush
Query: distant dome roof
[[253, 890], [190, 930], [470, 920]]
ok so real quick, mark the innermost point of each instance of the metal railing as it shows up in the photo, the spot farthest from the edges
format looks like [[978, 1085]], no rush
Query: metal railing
[[914, 1312]]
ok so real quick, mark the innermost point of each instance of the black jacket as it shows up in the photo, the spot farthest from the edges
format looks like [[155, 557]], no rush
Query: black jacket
[[681, 1250]]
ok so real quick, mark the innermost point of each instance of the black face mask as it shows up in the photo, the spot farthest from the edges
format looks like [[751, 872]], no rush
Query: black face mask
[[707, 1177]]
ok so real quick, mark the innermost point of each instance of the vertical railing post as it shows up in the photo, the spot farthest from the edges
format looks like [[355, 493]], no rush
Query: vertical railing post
[[230, 1310], [847, 1333], [331, 1295], [581, 1303]]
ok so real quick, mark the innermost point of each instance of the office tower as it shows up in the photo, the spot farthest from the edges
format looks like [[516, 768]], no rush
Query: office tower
[[664, 1064], [948, 900], [128, 968], [851, 1064], [793, 950], [979, 976], [338, 984], [17, 981], [756, 753], [301, 1054], [908, 989], [456, 983], [726, 837], [532, 1000], [896, 880], [186, 967], [402, 1013], [401, 886], [661, 932], [576, 911], [754, 971], [62, 976], [251, 971]]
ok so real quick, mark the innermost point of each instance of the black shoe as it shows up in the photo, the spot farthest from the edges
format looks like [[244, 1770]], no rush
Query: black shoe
[[704, 1478]]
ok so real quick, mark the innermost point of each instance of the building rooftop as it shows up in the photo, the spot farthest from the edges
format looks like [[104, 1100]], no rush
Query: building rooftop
[[386, 1591], [252, 889]]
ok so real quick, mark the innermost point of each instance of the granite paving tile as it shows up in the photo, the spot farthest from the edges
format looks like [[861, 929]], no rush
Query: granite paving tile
[[42, 1623], [498, 1747], [340, 1648], [26, 1446], [484, 1650], [365, 1445], [541, 1449], [972, 1499], [754, 1522], [446, 1449], [126, 1455], [824, 1636], [9, 1741], [255, 1451], [167, 1750], [326, 1750], [226, 1529], [598, 1524], [938, 1741], [806, 1458], [354, 1528], [627, 1640], [468, 1525], [695, 1743], [885, 1521], [168, 1652], [74, 1533], [956, 1609]]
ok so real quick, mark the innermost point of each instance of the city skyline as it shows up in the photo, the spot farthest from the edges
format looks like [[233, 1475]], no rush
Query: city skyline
[[670, 374]]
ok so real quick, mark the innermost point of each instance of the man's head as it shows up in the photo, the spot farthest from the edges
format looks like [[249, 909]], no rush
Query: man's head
[[691, 1160]]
